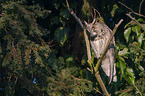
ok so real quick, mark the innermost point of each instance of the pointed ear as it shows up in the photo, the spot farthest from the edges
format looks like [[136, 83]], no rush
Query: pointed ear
[[86, 23]]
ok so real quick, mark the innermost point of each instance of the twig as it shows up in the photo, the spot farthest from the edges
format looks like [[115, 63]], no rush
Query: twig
[[97, 11], [74, 15], [99, 91], [124, 91], [134, 13], [143, 27], [131, 10], [140, 6], [136, 88], [106, 47]]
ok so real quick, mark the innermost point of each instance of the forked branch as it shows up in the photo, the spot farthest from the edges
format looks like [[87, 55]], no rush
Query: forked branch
[[131, 10], [139, 14], [129, 15]]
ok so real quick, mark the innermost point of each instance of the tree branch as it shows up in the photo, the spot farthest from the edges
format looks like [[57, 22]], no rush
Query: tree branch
[[140, 6], [129, 14], [143, 27], [98, 77], [74, 15], [131, 10]]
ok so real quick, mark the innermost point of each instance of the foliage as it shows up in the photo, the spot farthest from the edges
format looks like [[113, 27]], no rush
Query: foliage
[[131, 90], [86, 9], [64, 83], [131, 58], [27, 57]]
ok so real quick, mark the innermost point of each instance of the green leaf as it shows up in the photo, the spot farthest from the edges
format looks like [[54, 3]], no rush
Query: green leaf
[[130, 75], [69, 59], [127, 25], [127, 33], [136, 29], [131, 23], [61, 34], [123, 52], [140, 39], [121, 59], [143, 28], [122, 67], [140, 20], [129, 71], [140, 67]]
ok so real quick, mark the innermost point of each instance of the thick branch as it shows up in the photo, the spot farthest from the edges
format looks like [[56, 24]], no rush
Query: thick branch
[[106, 47], [98, 77], [87, 45]]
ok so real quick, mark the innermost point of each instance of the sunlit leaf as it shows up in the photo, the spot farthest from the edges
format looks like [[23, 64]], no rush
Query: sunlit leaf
[[127, 33], [143, 26], [140, 39], [140, 67], [131, 23], [121, 58], [69, 59], [122, 67], [140, 20], [123, 52], [127, 25], [130, 75], [136, 29], [130, 79]]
